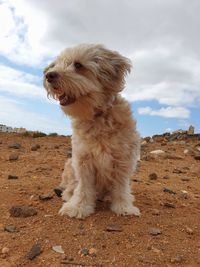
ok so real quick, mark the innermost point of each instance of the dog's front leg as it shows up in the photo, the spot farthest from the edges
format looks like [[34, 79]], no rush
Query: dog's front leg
[[82, 202], [122, 198]]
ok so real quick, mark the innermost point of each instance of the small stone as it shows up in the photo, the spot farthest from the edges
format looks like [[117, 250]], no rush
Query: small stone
[[92, 252], [185, 179], [34, 252], [155, 231], [45, 197], [84, 252], [10, 228], [184, 194], [12, 177], [157, 152], [5, 250], [13, 156], [35, 147], [189, 230], [15, 146], [177, 171], [22, 211], [58, 249], [197, 156], [166, 177], [155, 212], [114, 228], [169, 205], [168, 190], [153, 176], [177, 259]]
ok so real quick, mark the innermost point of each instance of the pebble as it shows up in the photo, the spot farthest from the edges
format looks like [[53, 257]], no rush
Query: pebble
[[10, 228], [169, 205], [35, 147], [185, 179], [177, 171], [114, 228], [92, 252], [153, 176], [184, 194], [197, 157], [58, 249], [5, 250], [155, 231], [84, 252], [12, 177], [13, 156], [189, 230], [34, 252], [22, 211], [155, 212], [157, 152], [177, 259], [166, 177], [15, 146], [45, 197], [168, 190]]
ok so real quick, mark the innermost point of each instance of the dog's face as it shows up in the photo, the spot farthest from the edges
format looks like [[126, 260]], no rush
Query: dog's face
[[86, 72]]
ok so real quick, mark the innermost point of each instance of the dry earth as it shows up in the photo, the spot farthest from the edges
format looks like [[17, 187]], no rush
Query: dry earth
[[103, 239]]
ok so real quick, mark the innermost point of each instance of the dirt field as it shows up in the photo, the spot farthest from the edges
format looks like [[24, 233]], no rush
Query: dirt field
[[169, 201]]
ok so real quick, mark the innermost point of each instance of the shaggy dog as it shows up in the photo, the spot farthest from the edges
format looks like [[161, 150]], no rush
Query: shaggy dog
[[86, 80]]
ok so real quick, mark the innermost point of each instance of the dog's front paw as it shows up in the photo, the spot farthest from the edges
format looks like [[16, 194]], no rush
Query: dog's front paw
[[77, 211], [125, 209]]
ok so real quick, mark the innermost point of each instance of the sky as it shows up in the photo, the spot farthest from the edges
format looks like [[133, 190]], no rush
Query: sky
[[161, 37]]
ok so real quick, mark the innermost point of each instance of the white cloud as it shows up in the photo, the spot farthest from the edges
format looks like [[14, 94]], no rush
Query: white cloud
[[14, 114], [168, 112]]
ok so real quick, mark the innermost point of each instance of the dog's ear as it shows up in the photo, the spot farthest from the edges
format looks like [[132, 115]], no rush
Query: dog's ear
[[113, 69]]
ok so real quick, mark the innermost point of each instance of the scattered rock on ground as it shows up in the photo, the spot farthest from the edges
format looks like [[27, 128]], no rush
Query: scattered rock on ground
[[5, 250], [155, 231], [114, 228], [34, 252], [168, 190], [153, 176], [13, 156], [35, 147], [58, 249], [45, 197], [22, 211], [12, 177], [10, 228], [15, 146]]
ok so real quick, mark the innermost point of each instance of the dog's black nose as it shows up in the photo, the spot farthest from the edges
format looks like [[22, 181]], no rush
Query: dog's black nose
[[51, 76]]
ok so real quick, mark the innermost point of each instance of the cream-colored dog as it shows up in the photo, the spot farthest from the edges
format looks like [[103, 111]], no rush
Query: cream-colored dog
[[87, 80]]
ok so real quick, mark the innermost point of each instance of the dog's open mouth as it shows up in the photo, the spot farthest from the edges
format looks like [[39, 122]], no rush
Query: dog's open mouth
[[66, 100]]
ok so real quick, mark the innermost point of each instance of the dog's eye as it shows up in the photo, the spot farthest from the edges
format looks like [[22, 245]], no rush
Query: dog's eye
[[78, 65]]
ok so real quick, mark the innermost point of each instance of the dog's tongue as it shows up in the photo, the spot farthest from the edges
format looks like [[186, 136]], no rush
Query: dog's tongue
[[64, 100]]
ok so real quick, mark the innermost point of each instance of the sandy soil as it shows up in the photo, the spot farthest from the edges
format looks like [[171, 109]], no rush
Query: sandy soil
[[176, 217]]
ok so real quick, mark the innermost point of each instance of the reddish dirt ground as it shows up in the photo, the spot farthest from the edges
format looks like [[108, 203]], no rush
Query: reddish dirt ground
[[87, 242]]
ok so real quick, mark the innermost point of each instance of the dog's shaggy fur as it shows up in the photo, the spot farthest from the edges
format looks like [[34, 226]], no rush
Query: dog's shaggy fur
[[87, 80]]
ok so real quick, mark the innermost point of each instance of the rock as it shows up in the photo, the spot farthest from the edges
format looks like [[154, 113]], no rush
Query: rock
[[10, 228], [153, 176], [13, 156], [84, 252], [34, 252], [5, 250], [58, 249], [189, 230], [155, 231], [45, 197], [177, 171], [177, 259], [185, 179], [197, 156], [92, 252], [58, 192], [12, 177], [184, 194], [155, 212], [157, 152], [168, 190], [22, 211], [190, 130], [114, 228], [15, 146], [166, 177], [170, 156], [169, 205], [35, 147]]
